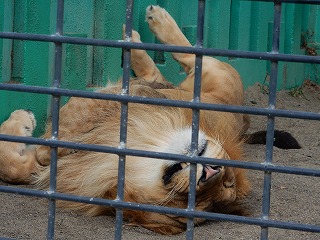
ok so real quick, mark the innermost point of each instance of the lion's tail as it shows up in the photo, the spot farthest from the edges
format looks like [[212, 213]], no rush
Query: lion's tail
[[282, 139]]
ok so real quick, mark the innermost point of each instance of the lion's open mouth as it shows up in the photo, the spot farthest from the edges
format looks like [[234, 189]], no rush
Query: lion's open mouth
[[207, 172], [170, 172]]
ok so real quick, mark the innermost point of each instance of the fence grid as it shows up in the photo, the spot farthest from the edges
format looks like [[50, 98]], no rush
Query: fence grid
[[271, 112]]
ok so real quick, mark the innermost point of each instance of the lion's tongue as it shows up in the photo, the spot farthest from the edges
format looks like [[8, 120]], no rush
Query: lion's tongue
[[210, 172]]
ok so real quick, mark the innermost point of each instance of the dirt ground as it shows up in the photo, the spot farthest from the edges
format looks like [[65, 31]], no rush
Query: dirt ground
[[294, 198]]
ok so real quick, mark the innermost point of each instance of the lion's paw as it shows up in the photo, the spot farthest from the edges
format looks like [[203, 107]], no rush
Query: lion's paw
[[160, 23], [17, 160], [135, 34], [43, 155], [20, 123], [156, 15], [30, 124]]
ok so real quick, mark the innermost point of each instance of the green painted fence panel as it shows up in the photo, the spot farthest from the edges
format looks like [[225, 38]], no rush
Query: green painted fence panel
[[24, 62], [311, 40], [229, 24]]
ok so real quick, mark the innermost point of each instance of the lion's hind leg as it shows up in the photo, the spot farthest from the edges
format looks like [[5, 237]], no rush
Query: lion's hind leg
[[220, 83], [17, 160], [167, 31]]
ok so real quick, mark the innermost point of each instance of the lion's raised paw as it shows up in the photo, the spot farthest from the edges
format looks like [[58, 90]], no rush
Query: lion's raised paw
[[155, 15], [160, 22]]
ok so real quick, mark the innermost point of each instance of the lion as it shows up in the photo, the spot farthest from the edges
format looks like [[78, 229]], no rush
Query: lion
[[150, 127]]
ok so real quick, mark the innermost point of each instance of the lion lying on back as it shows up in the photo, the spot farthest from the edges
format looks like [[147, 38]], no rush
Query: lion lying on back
[[152, 128]]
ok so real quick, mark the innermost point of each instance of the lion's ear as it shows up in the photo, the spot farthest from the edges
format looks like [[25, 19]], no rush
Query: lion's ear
[[242, 183]]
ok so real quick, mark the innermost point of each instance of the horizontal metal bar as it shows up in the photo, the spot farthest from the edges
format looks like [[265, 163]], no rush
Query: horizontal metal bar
[[162, 155], [289, 1], [161, 209], [162, 47], [162, 102]]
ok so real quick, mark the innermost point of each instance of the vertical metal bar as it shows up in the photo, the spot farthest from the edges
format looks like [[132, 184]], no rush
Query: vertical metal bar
[[195, 120], [55, 106], [7, 50], [123, 120], [270, 122]]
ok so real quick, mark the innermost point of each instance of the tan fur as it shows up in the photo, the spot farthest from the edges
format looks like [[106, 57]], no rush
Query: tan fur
[[151, 128]]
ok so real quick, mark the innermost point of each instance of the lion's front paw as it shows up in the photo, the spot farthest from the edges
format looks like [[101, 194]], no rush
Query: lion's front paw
[[17, 160], [20, 123], [30, 124]]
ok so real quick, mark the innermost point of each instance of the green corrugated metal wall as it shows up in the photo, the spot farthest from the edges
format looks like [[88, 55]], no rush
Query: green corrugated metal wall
[[229, 24]]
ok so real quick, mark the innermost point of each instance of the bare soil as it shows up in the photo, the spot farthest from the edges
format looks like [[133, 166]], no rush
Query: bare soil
[[293, 198]]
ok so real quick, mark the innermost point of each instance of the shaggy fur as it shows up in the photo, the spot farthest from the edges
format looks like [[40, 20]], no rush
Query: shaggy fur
[[152, 128]]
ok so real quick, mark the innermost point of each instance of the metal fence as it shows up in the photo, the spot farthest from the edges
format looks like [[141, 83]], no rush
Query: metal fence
[[271, 112]]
